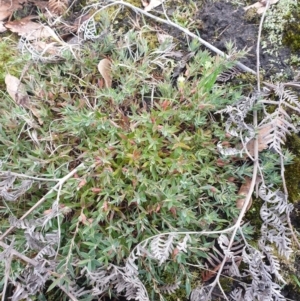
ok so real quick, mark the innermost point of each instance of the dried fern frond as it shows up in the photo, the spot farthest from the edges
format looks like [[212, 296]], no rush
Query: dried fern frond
[[274, 215], [286, 96], [272, 130], [262, 287], [11, 191], [44, 55], [273, 261], [229, 74], [58, 7], [237, 294], [235, 124], [88, 29], [30, 282], [162, 248], [279, 121], [169, 288], [219, 251], [201, 294], [117, 278]]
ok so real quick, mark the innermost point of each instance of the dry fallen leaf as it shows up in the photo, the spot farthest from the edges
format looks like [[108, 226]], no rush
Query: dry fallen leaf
[[104, 68], [7, 8], [208, 274], [243, 192], [152, 4], [260, 6], [2, 28], [36, 113], [5, 11], [16, 90], [31, 30]]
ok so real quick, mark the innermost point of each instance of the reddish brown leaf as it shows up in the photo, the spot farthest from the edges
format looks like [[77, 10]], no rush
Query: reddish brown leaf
[[174, 253], [243, 192], [207, 275], [105, 206], [7, 8], [82, 183], [220, 163], [263, 138], [157, 209], [82, 218], [173, 211], [96, 190]]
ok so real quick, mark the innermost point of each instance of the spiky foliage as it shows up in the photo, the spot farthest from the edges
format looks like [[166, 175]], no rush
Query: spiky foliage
[[154, 180]]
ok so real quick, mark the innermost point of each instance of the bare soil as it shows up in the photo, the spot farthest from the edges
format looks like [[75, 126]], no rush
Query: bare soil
[[224, 22]]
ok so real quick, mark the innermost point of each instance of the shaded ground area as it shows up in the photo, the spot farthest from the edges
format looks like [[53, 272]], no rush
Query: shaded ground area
[[224, 22]]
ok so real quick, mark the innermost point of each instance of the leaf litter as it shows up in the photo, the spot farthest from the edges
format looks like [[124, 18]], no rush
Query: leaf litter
[[104, 68], [17, 91]]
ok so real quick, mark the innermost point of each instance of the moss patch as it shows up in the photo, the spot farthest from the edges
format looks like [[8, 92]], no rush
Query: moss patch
[[292, 172], [291, 34], [8, 62]]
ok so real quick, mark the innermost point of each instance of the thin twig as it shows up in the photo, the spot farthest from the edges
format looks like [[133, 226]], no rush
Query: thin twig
[[19, 175], [258, 45], [69, 294], [6, 276], [18, 254], [254, 173], [168, 22], [281, 157]]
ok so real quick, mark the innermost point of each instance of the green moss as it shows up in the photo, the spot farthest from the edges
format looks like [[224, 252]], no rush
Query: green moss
[[151, 39], [291, 34], [253, 215], [292, 172], [8, 62], [251, 15], [226, 283], [248, 78]]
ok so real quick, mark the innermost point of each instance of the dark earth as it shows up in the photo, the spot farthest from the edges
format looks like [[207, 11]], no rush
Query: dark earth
[[224, 22]]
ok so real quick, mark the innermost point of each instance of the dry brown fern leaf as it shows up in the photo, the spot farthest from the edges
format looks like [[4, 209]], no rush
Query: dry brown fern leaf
[[58, 7]]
